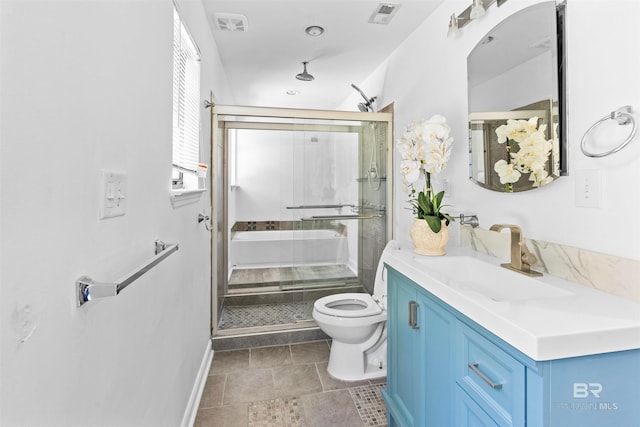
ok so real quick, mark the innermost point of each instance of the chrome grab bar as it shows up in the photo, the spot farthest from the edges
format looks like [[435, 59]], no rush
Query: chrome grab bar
[[338, 217], [88, 289], [319, 206]]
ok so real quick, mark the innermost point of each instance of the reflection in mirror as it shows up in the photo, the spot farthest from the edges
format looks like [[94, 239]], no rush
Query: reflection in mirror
[[516, 132]]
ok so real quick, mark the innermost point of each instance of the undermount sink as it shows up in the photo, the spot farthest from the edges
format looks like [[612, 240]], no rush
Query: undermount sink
[[476, 277]]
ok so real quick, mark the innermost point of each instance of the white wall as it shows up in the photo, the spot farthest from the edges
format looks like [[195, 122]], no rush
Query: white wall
[[86, 86], [276, 169], [497, 94], [427, 75]]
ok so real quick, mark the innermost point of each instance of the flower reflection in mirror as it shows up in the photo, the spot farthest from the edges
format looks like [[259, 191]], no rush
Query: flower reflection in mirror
[[527, 152]]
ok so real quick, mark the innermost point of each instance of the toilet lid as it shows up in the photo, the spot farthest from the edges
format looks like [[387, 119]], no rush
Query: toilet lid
[[348, 305]]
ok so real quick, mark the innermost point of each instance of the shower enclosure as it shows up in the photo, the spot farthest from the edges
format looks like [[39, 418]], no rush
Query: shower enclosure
[[305, 212]]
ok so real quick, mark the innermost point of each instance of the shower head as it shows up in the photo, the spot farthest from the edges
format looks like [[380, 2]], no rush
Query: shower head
[[304, 76], [364, 106]]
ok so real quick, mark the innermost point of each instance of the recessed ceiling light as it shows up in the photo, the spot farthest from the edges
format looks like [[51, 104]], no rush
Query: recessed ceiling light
[[293, 92], [314, 30]]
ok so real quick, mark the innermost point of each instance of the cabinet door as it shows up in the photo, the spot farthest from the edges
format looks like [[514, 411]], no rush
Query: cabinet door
[[404, 370], [437, 326], [420, 375]]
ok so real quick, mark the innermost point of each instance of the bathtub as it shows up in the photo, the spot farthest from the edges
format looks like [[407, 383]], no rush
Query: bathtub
[[287, 248]]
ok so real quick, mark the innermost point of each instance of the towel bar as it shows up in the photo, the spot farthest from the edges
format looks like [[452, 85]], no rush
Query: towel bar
[[88, 289]]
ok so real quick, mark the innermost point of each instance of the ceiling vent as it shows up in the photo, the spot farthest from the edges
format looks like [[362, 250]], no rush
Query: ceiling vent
[[231, 22], [383, 13]]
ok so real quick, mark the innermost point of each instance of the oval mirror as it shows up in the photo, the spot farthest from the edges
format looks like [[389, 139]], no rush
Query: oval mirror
[[516, 112]]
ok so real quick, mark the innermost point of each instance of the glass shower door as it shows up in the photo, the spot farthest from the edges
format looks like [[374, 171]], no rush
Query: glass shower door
[[325, 199], [305, 210], [342, 185]]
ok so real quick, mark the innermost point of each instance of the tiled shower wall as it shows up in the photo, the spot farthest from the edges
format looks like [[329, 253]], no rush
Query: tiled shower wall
[[608, 273]]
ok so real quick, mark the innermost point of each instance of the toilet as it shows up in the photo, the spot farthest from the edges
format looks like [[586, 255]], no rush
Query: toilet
[[357, 324]]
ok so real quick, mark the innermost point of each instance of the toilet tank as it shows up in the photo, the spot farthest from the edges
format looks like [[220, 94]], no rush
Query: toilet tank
[[380, 282]]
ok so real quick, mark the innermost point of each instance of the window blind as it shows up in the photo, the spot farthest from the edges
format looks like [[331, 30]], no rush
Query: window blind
[[186, 96]]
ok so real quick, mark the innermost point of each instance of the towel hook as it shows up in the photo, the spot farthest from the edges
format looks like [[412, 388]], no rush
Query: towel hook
[[623, 116]]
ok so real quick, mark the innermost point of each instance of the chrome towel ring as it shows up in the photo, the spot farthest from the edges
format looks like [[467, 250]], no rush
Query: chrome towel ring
[[623, 116]]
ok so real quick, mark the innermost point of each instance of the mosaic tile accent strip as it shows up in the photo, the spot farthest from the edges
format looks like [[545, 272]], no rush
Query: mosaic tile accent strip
[[288, 225], [246, 316], [370, 405], [281, 412]]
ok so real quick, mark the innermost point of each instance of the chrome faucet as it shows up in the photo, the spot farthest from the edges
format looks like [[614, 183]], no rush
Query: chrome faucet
[[471, 220], [521, 256]]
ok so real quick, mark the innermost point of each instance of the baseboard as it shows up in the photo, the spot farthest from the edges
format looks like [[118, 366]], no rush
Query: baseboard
[[191, 411]]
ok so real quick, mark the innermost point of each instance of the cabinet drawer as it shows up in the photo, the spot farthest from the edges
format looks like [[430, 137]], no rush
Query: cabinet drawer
[[469, 413], [494, 379]]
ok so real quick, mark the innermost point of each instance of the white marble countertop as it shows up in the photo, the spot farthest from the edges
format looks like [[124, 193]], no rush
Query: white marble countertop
[[581, 322]]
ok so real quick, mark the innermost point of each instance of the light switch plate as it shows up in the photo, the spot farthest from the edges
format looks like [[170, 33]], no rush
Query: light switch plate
[[588, 188], [114, 194]]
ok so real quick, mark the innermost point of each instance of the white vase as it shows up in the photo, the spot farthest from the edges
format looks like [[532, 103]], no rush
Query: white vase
[[425, 241]]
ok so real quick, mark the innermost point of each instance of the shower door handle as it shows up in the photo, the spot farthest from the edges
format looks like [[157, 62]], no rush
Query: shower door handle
[[338, 217], [413, 315], [318, 206]]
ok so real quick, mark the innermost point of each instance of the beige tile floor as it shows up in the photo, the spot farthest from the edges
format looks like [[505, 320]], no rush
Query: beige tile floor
[[285, 385]]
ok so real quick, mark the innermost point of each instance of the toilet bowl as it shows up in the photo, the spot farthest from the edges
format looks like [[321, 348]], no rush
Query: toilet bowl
[[357, 324]]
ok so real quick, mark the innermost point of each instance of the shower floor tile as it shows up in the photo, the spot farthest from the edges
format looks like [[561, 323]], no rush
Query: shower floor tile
[[270, 276], [247, 316]]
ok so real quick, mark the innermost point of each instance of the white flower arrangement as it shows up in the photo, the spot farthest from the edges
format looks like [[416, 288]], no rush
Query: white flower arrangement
[[532, 156], [425, 148]]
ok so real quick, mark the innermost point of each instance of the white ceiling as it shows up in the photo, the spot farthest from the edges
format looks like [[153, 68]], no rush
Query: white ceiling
[[261, 63]]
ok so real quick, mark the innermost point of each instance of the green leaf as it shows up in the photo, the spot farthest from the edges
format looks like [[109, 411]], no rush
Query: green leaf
[[425, 203], [437, 201], [435, 224]]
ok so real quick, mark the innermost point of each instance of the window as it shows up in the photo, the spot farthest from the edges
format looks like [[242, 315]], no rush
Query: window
[[186, 103]]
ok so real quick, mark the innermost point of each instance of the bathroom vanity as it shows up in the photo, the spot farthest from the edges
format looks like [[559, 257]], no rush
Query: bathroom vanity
[[471, 344]]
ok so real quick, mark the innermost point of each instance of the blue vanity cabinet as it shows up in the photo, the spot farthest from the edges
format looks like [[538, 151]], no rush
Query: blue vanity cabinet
[[446, 370], [420, 381]]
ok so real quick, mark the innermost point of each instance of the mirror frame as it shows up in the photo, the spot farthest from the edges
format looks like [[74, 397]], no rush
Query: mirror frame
[[561, 163]]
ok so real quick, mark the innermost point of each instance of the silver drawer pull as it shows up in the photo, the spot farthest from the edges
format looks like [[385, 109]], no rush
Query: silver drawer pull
[[413, 315], [474, 368]]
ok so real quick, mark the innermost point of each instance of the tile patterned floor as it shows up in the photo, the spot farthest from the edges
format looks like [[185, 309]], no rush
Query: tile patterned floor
[[286, 412], [369, 403], [246, 316], [286, 386]]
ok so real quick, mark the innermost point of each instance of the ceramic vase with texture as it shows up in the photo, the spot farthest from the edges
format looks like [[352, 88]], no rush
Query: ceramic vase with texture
[[427, 242]]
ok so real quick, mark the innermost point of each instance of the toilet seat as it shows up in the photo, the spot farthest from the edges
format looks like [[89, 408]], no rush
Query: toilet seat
[[348, 305]]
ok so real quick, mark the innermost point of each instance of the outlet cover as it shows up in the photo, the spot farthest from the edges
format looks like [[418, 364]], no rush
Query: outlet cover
[[588, 187]]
